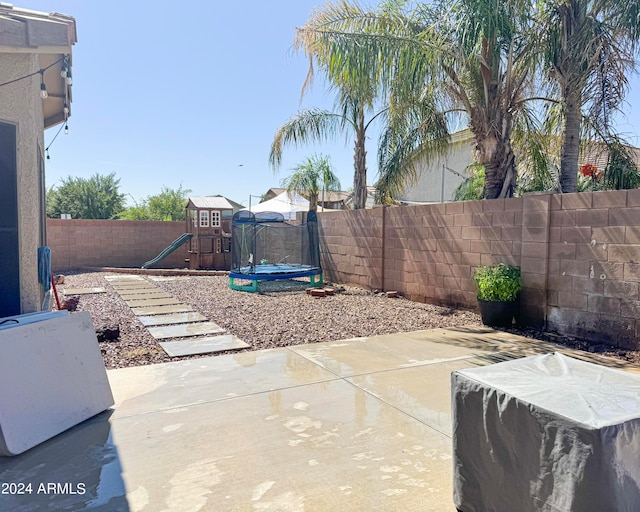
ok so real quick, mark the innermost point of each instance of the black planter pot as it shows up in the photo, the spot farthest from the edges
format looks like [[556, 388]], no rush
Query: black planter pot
[[498, 314]]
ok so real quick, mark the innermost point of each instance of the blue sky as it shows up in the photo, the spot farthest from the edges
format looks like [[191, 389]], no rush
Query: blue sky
[[191, 94]]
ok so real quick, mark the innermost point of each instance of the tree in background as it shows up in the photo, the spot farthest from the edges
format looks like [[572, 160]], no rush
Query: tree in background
[[471, 57], [355, 108], [590, 50], [312, 177], [168, 205], [97, 197]]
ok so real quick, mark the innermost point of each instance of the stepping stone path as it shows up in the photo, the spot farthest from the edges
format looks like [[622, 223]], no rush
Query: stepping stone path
[[183, 331]]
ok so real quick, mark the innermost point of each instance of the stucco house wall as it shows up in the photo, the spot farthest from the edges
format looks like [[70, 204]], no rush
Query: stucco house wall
[[455, 161], [20, 105], [35, 43]]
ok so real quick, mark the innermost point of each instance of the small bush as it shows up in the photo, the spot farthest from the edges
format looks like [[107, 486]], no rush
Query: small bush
[[498, 282]]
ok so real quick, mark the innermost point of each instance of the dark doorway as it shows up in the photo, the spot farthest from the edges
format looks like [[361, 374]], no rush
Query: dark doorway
[[9, 246]]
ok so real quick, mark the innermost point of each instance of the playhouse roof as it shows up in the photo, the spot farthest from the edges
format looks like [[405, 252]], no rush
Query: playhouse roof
[[216, 202]]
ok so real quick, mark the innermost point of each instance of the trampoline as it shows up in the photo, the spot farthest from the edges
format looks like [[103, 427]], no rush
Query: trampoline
[[265, 247]]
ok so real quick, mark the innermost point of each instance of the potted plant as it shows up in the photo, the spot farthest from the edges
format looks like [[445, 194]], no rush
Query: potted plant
[[498, 288]]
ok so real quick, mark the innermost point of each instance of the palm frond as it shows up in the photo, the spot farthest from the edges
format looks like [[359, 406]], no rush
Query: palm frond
[[414, 138], [311, 125]]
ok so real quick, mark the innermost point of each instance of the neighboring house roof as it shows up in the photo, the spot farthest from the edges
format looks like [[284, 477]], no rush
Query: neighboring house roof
[[214, 202], [596, 153], [50, 36], [273, 192]]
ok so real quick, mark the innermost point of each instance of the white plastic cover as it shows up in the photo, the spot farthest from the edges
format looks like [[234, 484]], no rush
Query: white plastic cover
[[546, 433], [52, 377]]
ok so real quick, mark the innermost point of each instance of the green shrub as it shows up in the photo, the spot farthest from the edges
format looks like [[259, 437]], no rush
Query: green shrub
[[498, 282]]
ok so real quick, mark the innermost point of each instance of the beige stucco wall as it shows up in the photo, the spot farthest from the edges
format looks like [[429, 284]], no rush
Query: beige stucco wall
[[21, 105], [429, 186]]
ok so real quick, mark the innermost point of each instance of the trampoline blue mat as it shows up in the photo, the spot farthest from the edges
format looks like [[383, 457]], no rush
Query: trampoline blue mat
[[272, 271]]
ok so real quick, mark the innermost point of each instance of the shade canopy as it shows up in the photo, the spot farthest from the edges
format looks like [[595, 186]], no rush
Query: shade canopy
[[288, 204]]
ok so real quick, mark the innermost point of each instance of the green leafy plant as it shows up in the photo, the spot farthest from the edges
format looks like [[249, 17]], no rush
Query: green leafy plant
[[498, 283]]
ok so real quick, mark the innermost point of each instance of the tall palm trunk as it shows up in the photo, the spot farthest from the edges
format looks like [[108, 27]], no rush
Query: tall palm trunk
[[498, 159], [360, 165], [570, 66], [570, 140]]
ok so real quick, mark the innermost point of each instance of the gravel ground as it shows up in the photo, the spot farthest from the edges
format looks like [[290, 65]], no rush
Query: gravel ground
[[272, 318], [278, 317]]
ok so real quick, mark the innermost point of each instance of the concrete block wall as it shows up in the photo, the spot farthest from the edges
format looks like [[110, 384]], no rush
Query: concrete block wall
[[594, 266], [351, 248], [579, 255], [112, 243]]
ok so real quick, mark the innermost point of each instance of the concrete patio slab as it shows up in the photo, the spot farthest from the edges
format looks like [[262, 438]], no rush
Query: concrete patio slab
[[422, 392], [272, 430], [207, 345], [185, 330], [319, 447], [173, 318], [161, 310], [140, 303], [170, 386], [82, 291], [377, 353]]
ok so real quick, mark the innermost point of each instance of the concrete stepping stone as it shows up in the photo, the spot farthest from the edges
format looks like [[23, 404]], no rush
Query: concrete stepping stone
[[139, 303], [82, 291], [174, 318], [185, 330], [136, 286], [145, 296], [203, 345], [161, 310], [125, 277]]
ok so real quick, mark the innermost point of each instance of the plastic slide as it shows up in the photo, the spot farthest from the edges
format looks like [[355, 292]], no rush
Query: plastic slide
[[182, 239]]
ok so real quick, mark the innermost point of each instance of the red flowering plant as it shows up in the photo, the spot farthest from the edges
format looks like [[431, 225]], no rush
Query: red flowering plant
[[592, 176], [590, 171]]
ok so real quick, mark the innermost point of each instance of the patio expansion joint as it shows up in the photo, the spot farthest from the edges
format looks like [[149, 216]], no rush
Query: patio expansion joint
[[373, 395], [222, 399]]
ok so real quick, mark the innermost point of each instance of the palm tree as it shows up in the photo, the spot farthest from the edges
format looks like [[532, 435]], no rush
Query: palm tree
[[471, 57], [316, 125], [589, 48], [311, 177]]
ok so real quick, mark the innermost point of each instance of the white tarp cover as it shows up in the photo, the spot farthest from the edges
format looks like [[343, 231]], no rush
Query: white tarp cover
[[546, 433]]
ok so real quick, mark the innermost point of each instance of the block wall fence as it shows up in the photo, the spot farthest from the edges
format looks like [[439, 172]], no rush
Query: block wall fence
[[112, 243], [579, 255]]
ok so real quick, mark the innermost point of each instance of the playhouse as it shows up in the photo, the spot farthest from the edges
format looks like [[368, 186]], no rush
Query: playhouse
[[208, 219]]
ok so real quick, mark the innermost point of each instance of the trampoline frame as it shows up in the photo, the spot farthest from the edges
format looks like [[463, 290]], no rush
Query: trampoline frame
[[256, 277]]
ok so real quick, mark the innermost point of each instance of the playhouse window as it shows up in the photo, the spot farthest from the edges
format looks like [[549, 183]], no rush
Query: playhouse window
[[204, 219], [215, 219]]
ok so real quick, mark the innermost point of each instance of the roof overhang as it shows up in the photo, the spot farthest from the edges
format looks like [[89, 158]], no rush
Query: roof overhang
[[50, 36]]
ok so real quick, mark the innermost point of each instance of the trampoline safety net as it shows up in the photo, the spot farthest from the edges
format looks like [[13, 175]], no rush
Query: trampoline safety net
[[266, 247]]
